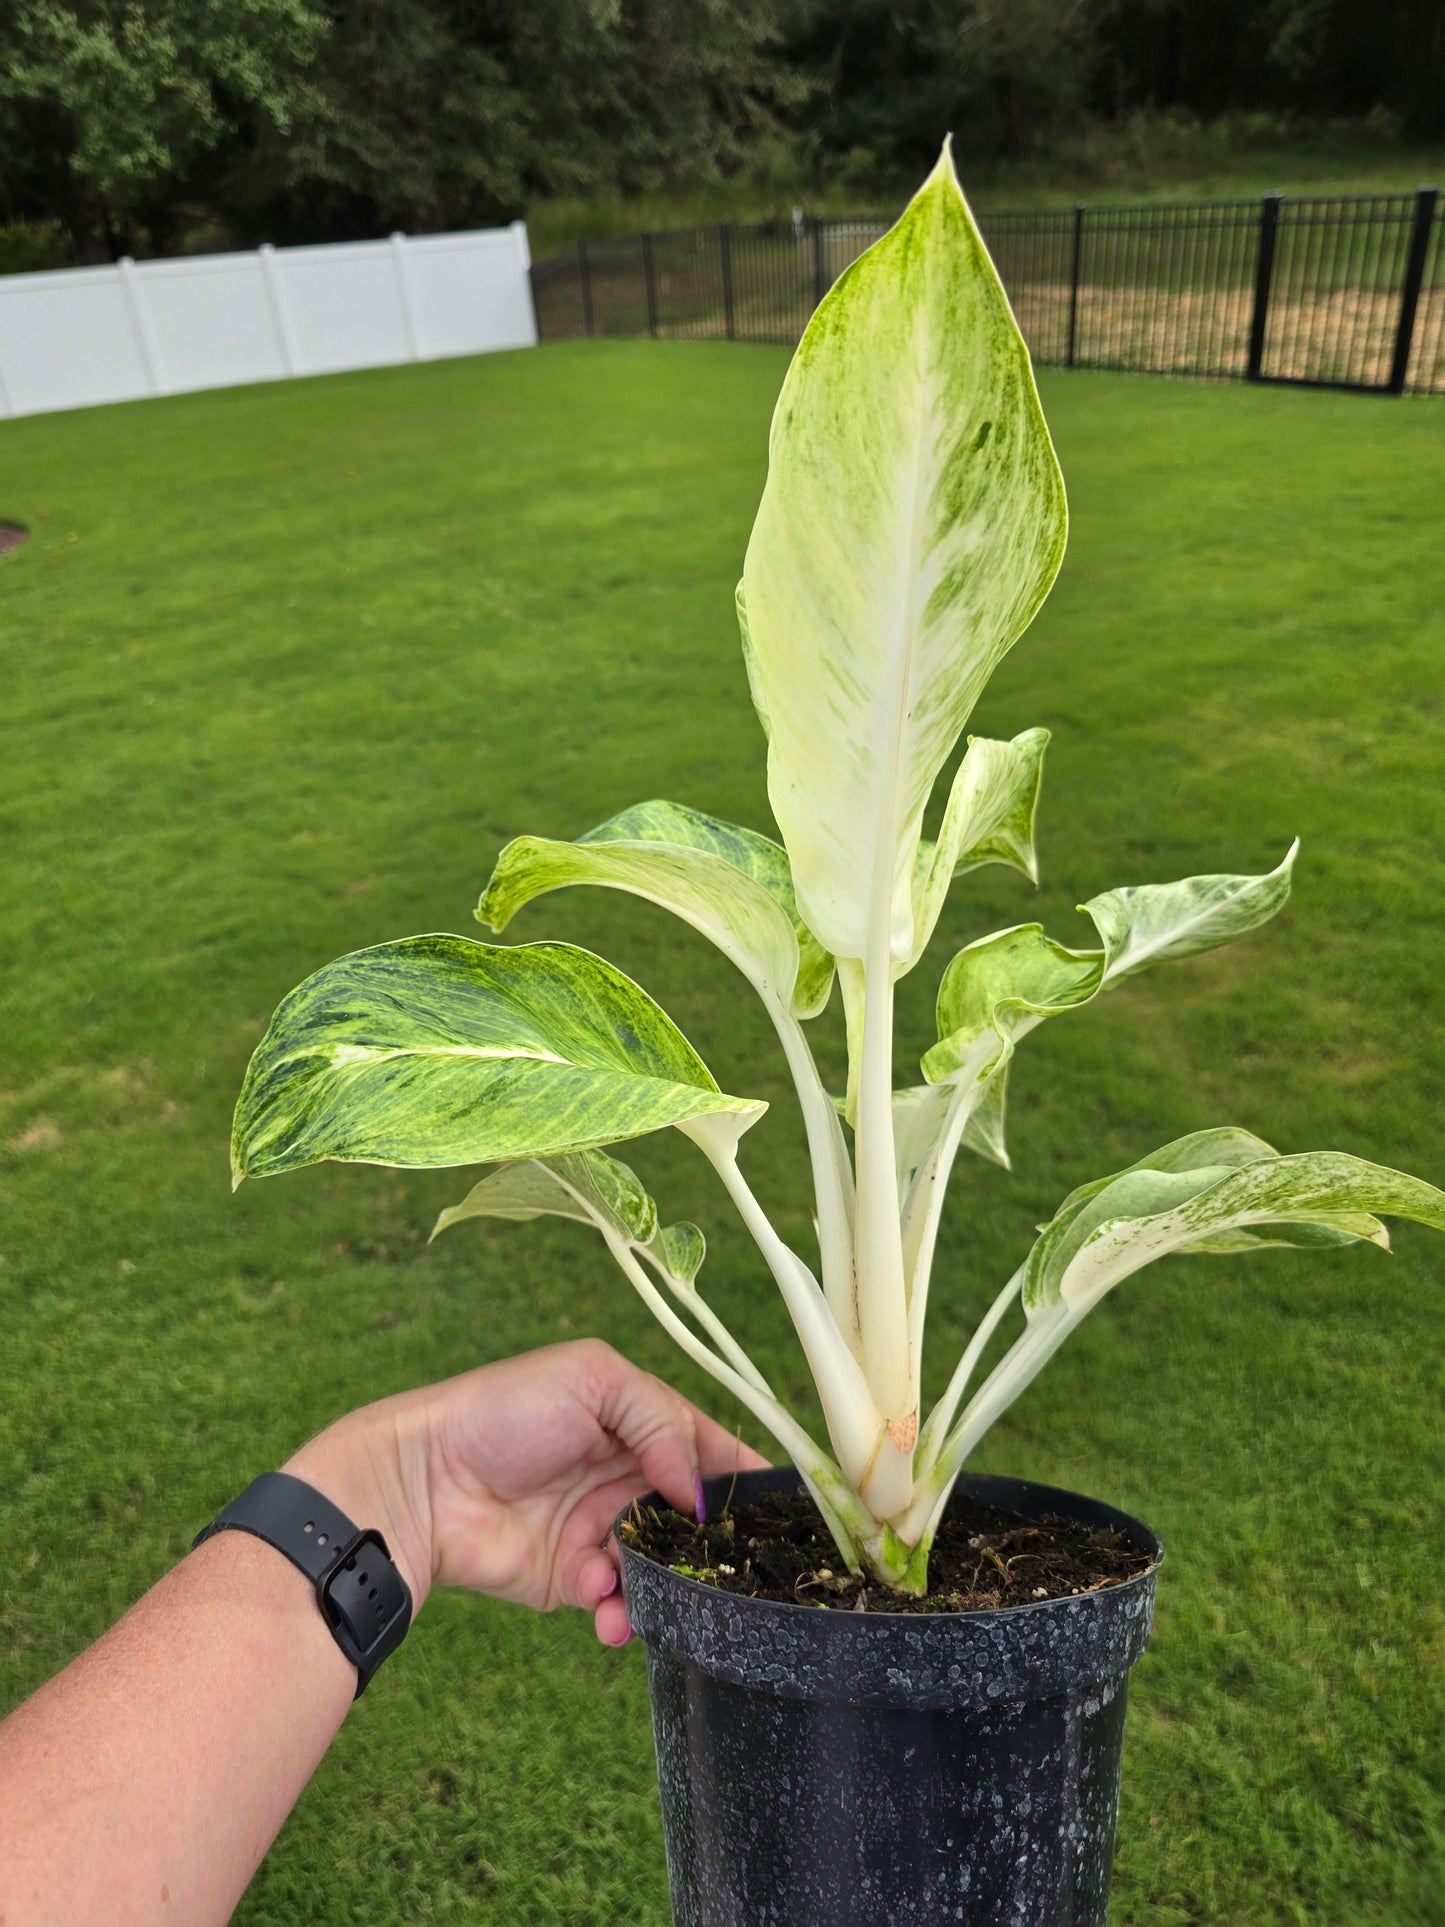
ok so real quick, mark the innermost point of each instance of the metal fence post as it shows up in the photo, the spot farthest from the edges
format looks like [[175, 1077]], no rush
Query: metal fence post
[[1263, 276], [651, 283], [1074, 280], [819, 286], [1410, 293], [584, 284], [725, 251]]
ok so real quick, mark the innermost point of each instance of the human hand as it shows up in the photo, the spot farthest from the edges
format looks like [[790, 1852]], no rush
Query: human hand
[[506, 1479]]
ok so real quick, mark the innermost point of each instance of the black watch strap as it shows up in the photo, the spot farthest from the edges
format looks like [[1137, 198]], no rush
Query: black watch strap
[[362, 1596]]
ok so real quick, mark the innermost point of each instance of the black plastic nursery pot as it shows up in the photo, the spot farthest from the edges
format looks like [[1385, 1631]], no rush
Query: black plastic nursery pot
[[857, 1769]]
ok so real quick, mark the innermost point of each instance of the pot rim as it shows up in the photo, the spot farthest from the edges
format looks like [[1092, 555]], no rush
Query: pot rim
[[788, 1476]]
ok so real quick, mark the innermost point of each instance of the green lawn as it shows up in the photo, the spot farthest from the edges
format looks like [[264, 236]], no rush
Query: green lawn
[[284, 666]]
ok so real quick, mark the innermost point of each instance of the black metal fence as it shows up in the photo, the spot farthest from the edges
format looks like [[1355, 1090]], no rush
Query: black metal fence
[[1337, 292]]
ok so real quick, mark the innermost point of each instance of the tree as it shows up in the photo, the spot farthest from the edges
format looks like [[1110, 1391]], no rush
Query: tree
[[436, 113], [117, 99], [1004, 76]]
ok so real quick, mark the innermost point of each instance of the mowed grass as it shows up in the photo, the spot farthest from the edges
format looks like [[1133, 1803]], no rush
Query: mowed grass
[[285, 666]]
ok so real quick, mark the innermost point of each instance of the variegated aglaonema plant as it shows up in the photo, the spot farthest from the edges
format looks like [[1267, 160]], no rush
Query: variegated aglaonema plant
[[912, 524]]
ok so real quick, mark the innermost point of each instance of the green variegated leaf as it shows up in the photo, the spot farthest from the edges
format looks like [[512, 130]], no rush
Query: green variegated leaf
[[1225, 1145], [729, 883], [522, 1191], [590, 1188], [1163, 920], [1343, 1228], [439, 1051], [680, 1250], [999, 987], [587, 1186], [1190, 1198], [911, 526], [1002, 986], [994, 992], [989, 819]]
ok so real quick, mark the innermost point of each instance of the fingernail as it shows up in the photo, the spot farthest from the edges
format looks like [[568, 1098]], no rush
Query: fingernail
[[699, 1502], [609, 1588]]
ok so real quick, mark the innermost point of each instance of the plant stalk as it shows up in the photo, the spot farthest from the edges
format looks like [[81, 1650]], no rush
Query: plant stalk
[[880, 1284], [848, 1405]]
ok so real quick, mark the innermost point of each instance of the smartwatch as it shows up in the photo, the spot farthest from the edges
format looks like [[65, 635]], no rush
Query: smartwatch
[[363, 1597]]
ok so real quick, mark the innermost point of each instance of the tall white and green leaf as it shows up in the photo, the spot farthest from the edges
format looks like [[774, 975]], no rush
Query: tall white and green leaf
[[912, 523], [439, 1051]]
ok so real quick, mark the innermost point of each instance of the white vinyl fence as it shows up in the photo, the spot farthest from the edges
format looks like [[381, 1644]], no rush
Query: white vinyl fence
[[86, 335]]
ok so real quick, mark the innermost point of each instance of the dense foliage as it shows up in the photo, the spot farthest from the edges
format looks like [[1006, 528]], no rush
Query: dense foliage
[[158, 124]]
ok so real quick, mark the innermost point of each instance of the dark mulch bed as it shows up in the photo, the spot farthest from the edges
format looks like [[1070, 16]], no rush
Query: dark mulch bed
[[981, 1560]]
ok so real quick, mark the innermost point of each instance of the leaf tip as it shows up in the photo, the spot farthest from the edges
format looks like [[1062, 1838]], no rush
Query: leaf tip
[[944, 176]]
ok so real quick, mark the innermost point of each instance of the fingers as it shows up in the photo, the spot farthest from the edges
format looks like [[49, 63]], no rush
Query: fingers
[[592, 1580], [656, 1424], [595, 1579], [613, 1627], [674, 1442]]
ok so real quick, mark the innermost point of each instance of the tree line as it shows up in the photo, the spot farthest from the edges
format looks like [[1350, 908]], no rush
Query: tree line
[[152, 125]]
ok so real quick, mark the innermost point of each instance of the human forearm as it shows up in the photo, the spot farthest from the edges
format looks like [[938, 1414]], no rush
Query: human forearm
[[145, 1783], [147, 1780]]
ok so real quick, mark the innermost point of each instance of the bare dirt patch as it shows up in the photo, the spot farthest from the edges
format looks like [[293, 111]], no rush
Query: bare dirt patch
[[12, 536]]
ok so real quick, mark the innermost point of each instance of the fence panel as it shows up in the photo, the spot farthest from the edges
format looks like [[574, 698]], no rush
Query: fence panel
[[68, 339], [1034, 255], [469, 292], [85, 335], [1344, 292], [211, 321], [1167, 290], [688, 284], [1334, 306]]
